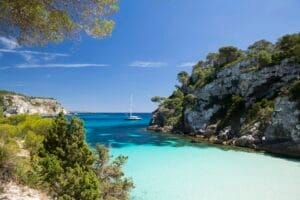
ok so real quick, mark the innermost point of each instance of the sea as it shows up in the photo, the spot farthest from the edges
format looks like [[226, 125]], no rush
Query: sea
[[168, 167]]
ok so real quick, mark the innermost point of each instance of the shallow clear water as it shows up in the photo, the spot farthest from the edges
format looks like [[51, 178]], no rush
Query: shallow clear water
[[165, 168]]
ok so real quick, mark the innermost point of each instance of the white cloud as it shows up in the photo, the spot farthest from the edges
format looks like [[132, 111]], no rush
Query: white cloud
[[29, 57], [9, 43], [38, 53], [33, 56], [60, 65], [187, 64], [146, 64]]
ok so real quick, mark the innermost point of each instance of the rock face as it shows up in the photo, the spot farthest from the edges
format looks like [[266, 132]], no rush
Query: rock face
[[21, 104], [236, 80], [278, 133], [283, 134]]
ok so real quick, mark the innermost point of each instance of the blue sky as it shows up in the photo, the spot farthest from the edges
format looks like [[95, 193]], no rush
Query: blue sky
[[153, 40]]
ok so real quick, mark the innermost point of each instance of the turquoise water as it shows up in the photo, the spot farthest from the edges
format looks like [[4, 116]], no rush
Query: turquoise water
[[165, 168]]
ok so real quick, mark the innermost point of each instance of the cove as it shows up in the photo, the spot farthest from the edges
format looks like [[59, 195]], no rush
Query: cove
[[164, 167]]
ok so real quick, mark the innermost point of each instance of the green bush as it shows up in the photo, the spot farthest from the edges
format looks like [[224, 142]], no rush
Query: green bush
[[26, 172], [78, 183], [7, 161], [71, 168], [202, 76], [261, 45], [157, 99], [7, 130], [33, 142], [264, 59], [228, 55], [189, 100], [296, 52], [260, 111], [287, 46], [60, 161], [16, 119], [113, 183]]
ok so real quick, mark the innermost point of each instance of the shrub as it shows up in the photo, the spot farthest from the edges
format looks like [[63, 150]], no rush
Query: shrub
[[183, 77], [189, 100], [227, 55], [66, 140], [157, 99], [264, 59], [7, 130], [26, 173], [202, 76], [7, 161], [287, 46], [16, 119], [71, 169], [113, 183], [60, 160], [261, 45], [260, 111], [78, 183], [33, 142], [296, 52], [211, 60]]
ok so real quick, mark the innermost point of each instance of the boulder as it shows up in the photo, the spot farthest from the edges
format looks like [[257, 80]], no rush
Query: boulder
[[247, 141]]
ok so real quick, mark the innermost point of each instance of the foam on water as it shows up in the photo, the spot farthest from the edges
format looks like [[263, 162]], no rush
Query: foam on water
[[164, 167]]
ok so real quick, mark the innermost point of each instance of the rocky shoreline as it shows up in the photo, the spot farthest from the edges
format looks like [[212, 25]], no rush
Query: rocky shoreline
[[246, 98], [248, 144]]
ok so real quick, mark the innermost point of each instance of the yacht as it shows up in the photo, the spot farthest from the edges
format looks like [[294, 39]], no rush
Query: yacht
[[131, 116]]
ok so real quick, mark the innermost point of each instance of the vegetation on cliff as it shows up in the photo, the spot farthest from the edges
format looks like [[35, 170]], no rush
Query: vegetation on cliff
[[16, 103], [245, 107], [58, 160]]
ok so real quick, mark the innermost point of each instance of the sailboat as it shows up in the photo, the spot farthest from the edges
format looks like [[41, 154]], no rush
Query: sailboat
[[131, 116]]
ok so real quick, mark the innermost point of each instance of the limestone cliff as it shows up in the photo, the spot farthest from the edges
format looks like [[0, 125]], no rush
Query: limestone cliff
[[13, 103], [245, 98]]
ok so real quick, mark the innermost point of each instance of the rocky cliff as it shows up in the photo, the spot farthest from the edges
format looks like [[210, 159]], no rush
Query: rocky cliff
[[245, 98], [13, 103]]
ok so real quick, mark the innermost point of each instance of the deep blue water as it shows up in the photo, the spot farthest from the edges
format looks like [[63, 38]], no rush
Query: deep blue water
[[164, 167], [112, 130]]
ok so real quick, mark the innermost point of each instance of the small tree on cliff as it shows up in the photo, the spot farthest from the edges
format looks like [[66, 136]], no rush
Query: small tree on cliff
[[227, 55], [183, 78], [158, 99]]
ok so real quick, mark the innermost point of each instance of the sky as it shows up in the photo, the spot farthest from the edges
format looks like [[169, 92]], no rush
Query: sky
[[153, 40]]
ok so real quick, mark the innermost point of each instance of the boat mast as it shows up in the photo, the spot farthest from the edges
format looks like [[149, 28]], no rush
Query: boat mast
[[130, 109]]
